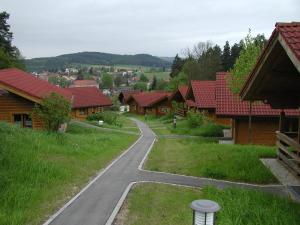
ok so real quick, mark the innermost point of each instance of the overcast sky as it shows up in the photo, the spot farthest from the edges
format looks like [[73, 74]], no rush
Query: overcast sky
[[158, 27]]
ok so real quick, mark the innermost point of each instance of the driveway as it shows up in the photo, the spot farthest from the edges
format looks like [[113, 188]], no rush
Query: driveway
[[95, 203]]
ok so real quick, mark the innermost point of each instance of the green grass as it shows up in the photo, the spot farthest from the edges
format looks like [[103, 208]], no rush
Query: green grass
[[203, 158], [39, 171], [164, 126], [159, 204], [158, 74], [125, 124]]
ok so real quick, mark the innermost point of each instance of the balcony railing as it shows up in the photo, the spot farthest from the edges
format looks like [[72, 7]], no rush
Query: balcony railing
[[288, 152]]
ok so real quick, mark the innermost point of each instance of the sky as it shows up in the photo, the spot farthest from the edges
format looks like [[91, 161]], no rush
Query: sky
[[44, 28]]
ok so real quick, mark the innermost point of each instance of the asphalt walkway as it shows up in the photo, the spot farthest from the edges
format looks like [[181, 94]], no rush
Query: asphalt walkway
[[95, 204]]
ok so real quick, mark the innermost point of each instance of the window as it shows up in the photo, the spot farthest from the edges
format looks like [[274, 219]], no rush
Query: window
[[24, 120], [18, 119], [27, 121], [164, 109], [82, 111]]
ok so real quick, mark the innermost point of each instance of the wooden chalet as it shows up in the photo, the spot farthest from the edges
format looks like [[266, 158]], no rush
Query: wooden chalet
[[20, 91], [150, 103], [254, 123], [184, 104], [124, 95], [275, 79], [203, 93], [88, 100]]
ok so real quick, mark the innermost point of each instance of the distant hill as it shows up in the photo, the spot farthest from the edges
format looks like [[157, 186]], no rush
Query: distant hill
[[168, 59], [93, 58]]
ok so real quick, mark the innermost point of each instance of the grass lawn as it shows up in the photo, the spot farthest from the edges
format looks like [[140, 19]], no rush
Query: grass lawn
[[126, 124], [159, 75], [159, 204], [203, 158], [39, 171], [164, 125]]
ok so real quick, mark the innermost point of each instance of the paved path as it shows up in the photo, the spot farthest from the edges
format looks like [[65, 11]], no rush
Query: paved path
[[95, 204]]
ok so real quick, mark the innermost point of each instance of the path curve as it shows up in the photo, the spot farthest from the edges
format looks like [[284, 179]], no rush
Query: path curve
[[96, 202]]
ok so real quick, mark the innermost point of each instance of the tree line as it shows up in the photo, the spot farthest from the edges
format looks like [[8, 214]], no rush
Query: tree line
[[203, 60], [10, 55]]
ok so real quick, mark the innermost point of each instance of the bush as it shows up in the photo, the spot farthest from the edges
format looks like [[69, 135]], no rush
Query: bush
[[209, 130], [54, 110], [195, 119], [108, 117]]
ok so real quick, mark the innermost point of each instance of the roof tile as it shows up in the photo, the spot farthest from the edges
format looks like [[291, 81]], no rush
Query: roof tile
[[29, 84], [88, 97], [228, 104], [204, 93]]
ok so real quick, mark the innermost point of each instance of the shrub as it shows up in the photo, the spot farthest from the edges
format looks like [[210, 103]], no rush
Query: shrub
[[209, 130], [54, 110], [195, 119], [108, 117]]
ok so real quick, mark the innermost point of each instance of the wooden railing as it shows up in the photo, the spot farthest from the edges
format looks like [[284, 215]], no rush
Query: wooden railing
[[288, 152], [181, 112]]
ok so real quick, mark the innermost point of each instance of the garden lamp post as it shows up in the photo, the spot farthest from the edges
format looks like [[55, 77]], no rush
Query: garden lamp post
[[204, 212]]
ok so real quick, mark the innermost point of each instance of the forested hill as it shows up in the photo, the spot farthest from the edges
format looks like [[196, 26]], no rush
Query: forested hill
[[93, 58]]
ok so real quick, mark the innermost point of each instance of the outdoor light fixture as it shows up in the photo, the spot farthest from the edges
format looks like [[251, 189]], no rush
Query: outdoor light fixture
[[204, 212]]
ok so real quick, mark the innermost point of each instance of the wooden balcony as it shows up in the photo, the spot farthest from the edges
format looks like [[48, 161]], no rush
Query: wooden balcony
[[288, 152]]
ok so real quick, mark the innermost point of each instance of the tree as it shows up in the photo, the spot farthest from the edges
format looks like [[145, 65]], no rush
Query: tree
[[226, 57], [210, 62], [176, 66], [154, 83], [10, 55], [192, 69], [106, 81], [60, 81], [245, 62], [161, 84], [118, 81], [54, 110], [180, 79], [140, 86], [235, 52], [143, 78]]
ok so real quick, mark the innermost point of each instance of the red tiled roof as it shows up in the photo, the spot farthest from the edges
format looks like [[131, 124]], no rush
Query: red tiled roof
[[291, 35], [127, 94], [84, 83], [228, 104], [147, 99], [30, 85], [190, 103], [88, 97], [204, 93], [183, 91]]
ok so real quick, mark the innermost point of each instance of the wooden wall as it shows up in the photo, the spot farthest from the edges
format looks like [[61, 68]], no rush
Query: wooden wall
[[82, 113], [263, 130], [11, 104], [158, 109], [211, 114]]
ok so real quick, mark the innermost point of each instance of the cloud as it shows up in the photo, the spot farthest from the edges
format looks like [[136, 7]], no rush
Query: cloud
[[52, 27]]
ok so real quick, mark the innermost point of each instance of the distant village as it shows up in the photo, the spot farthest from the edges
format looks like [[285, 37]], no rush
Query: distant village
[[119, 78]]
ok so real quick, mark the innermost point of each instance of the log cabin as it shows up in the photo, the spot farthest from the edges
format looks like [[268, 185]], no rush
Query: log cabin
[[254, 123], [203, 93], [184, 104], [87, 101], [150, 103], [20, 91], [275, 79], [124, 96]]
